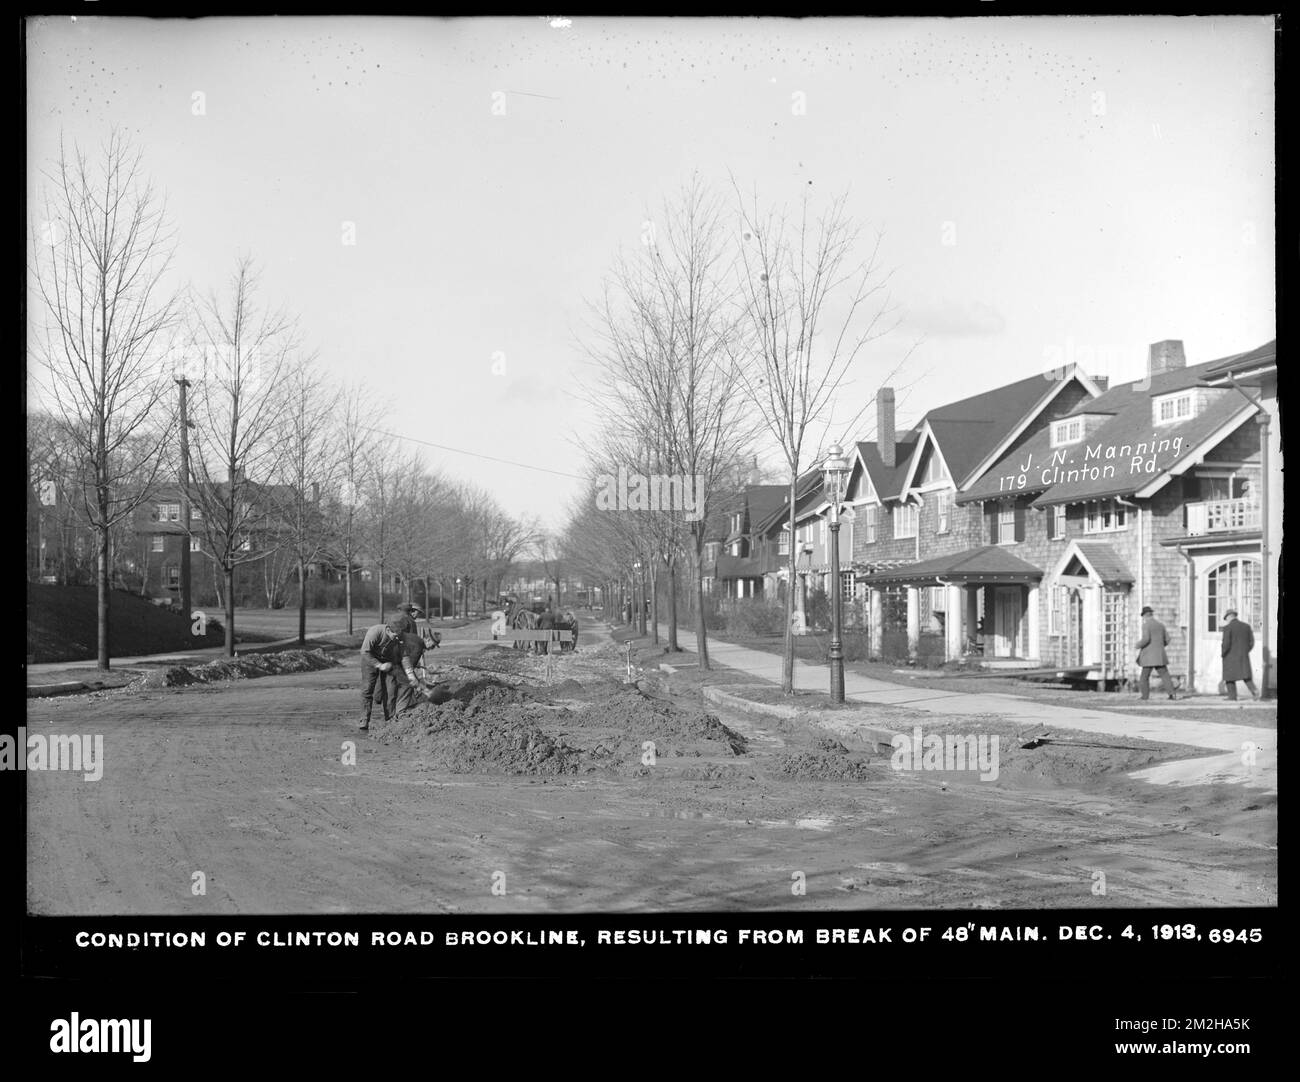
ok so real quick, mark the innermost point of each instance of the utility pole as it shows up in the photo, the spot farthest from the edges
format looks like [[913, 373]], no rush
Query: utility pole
[[186, 595]]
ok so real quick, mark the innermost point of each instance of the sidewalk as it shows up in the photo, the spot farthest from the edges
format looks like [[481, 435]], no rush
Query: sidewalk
[[1235, 740]]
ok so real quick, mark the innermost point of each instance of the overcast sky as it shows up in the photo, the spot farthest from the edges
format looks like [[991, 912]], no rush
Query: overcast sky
[[1045, 186]]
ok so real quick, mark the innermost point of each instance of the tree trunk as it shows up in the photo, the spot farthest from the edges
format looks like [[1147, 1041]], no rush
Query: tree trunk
[[701, 632], [654, 604], [672, 606], [302, 602], [102, 596], [230, 610], [381, 592], [347, 591], [787, 661]]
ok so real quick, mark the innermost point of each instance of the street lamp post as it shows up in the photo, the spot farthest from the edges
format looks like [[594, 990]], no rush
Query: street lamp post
[[835, 472]]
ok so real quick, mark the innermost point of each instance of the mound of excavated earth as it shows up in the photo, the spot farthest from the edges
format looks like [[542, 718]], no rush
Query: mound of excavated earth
[[478, 723], [240, 668]]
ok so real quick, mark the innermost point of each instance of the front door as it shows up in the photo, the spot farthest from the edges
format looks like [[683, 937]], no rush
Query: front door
[[1006, 621]]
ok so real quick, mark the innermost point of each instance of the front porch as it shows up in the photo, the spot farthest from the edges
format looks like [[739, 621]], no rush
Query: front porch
[[981, 603]]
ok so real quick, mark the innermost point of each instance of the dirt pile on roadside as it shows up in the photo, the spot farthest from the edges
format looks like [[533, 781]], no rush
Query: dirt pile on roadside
[[822, 766], [483, 724], [240, 668]]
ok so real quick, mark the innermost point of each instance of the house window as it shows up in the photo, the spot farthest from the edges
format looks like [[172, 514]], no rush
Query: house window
[[1105, 516], [156, 543], [821, 533], [938, 598], [1007, 524], [735, 522], [1174, 407], [941, 500], [173, 576], [846, 585], [1235, 584], [783, 544], [906, 517], [1056, 523], [868, 515], [168, 512], [1067, 432], [196, 514], [1055, 604], [196, 545]]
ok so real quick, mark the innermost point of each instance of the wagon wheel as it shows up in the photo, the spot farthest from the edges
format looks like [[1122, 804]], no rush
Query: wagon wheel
[[522, 619]]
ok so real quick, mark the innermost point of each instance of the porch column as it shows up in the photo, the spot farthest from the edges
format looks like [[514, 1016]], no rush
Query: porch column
[[877, 608], [1032, 650], [954, 605], [973, 611], [913, 621]]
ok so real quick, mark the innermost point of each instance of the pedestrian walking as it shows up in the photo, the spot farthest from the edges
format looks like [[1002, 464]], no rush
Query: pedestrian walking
[[1151, 654], [1238, 642], [374, 667]]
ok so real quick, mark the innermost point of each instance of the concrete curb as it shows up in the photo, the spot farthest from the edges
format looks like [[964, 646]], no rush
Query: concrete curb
[[846, 725], [48, 691]]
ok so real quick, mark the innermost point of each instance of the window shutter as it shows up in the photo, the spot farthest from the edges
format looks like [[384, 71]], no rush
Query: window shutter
[[1020, 522], [993, 526]]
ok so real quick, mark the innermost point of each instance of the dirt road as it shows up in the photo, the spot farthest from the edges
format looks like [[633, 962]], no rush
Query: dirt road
[[247, 784]]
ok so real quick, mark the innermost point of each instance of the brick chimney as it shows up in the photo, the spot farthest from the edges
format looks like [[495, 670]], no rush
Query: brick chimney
[[885, 426], [1166, 356]]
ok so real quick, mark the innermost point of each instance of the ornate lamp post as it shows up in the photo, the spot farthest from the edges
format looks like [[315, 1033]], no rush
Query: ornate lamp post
[[835, 474]]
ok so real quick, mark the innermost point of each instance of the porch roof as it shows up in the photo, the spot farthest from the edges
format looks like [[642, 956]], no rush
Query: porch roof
[[987, 564]]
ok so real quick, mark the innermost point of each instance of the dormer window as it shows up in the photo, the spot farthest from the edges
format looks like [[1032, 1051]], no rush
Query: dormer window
[[1067, 432], [1174, 407]]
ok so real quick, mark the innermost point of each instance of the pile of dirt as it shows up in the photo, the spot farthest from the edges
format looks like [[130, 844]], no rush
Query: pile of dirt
[[483, 724], [241, 668], [642, 717], [822, 766]]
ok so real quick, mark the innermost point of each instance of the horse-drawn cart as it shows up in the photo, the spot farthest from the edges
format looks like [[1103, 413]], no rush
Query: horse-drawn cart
[[538, 631]]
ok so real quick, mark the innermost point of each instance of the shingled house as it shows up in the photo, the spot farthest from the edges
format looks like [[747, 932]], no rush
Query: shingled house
[[1031, 523], [940, 574]]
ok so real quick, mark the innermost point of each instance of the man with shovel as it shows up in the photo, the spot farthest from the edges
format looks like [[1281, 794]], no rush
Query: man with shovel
[[403, 656]]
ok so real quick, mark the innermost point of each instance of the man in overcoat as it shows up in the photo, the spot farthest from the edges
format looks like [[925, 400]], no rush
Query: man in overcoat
[[1151, 654], [1238, 641]]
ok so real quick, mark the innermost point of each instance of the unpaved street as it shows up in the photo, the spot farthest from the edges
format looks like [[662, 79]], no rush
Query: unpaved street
[[246, 783]]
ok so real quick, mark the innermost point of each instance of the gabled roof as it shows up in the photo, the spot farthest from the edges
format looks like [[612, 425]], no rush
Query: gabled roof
[[986, 563], [888, 480], [807, 483], [1103, 560], [1131, 427], [970, 430], [758, 502]]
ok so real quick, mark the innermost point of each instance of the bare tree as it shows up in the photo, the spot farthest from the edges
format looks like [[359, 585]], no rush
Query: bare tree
[[665, 348], [810, 308], [101, 255], [239, 424], [353, 432], [310, 462]]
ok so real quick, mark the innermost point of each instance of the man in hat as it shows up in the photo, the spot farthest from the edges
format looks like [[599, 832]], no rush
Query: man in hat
[[1238, 641], [374, 665], [1151, 654], [404, 622], [403, 655]]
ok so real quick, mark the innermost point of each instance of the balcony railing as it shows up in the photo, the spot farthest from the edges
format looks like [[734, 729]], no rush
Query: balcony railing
[[1222, 516]]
